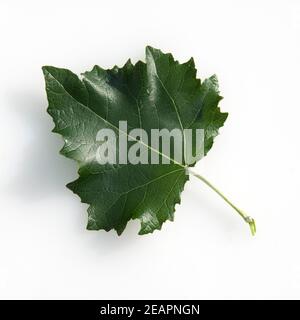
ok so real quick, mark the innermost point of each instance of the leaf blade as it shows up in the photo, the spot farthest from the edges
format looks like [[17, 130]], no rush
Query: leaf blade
[[160, 93]]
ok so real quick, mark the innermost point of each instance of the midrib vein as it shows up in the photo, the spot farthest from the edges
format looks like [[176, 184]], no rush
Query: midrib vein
[[172, 100]]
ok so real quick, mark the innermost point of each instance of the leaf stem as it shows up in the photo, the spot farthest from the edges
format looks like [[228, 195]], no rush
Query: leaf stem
[[245, 217]]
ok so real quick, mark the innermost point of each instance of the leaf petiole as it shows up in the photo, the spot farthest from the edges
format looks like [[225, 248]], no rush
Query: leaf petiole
[[245, 217]]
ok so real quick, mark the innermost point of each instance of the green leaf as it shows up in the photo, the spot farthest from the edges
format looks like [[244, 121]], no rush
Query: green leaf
[[161, 93]]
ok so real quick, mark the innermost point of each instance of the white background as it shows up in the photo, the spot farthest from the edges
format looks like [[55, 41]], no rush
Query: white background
[[207, 252]]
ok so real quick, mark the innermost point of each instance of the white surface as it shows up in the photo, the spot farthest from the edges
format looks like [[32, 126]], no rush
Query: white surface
[[253, 47]]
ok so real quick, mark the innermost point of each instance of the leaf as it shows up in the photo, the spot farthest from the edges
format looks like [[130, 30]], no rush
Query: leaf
[[161, 93]]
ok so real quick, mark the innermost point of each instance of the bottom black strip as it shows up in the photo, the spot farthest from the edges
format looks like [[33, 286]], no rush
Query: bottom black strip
[[129, 309]]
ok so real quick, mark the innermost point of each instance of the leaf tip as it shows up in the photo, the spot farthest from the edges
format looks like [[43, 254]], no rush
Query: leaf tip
[[149, 48], [46, 69]]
